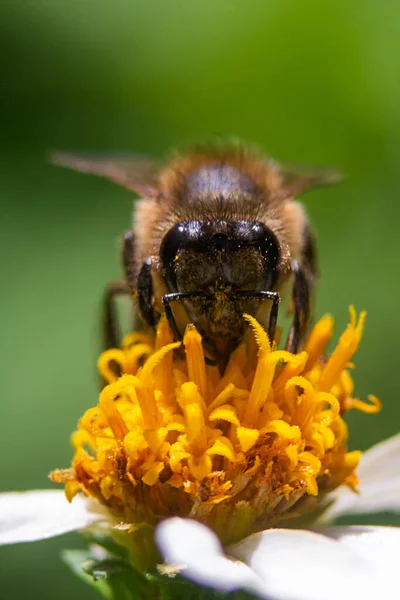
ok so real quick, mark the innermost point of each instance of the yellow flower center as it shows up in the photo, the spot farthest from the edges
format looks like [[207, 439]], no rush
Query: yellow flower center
[[239, 451]]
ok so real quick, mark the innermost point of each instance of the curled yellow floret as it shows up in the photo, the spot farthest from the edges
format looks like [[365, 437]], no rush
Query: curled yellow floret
[[239, 451]]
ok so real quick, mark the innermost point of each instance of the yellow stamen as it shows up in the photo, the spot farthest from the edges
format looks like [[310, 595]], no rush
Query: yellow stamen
[[371, 409], [291, 369], [318, 340], [262, 383], [109, 407], [225, 412], [223, 447], [193, 409], [345, 349], [223, 397], [150, 410], [247, 437], [136, 337], [239, 450], [195, 359]]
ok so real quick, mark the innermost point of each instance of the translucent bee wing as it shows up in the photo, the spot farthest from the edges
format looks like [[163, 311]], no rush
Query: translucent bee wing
[[297, 179], [135, 173]]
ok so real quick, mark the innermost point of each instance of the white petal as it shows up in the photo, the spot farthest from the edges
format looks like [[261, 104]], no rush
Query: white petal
[[196, 551], [379, 476], [305, 565], [379, 545], [341, 562], [40, 514]]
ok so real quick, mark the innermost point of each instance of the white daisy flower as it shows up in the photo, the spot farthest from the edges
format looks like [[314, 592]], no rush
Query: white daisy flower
[[320, 563], [218, 464]]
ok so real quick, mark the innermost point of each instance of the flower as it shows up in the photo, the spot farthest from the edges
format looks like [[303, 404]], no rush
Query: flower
[[216, 460], [323, 563], [239, 451]]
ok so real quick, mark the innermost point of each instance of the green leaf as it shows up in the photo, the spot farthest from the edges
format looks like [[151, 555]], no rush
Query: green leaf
[[106, 568], [111, 577], [75, 559]]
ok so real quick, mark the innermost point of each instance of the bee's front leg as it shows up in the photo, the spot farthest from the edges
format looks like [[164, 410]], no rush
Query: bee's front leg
[[115, 289], [140, 280], [301, 309], [145, 295], [305, 273], [111, 333]]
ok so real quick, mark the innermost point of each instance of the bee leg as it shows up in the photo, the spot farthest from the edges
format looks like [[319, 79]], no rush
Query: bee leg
[[273, 318], [305, 275], [139, 283], [166, 299], [273, 315], [172, 297], [145, 294], [111, 334], [301, 301]]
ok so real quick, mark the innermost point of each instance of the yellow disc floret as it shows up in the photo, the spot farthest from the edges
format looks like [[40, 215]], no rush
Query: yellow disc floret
[[239, 451]]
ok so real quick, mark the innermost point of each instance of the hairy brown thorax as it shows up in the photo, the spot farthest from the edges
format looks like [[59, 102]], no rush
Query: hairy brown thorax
[[230, 184], [217, 233]]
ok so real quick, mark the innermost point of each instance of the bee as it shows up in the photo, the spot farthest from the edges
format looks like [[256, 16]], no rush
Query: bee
[[217, 233]]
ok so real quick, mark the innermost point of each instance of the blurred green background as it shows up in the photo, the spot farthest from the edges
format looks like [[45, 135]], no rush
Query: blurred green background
[[308, 81]]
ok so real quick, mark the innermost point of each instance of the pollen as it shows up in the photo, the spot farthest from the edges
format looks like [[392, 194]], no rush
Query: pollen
[[239, 451]]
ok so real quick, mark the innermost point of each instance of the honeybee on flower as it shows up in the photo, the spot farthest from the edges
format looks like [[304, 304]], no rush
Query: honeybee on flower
[[211, 449], [211, 468], [217, 233]]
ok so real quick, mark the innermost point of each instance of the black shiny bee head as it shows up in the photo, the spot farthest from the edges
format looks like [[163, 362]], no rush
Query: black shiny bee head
[[209, 264]]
